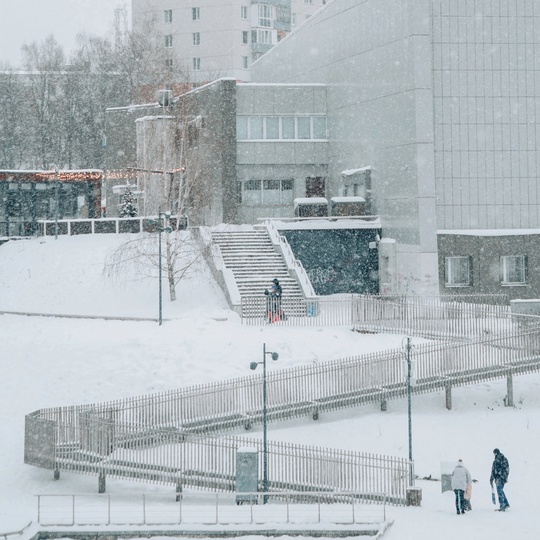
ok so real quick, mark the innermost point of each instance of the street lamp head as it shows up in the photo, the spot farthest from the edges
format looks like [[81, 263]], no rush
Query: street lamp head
[[275, 356], [253, 365], [168, 229]]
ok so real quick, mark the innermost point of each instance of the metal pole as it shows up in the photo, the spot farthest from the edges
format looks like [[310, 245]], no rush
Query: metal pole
[[265, 440], [409, 407], [159, 257], [56, 198]]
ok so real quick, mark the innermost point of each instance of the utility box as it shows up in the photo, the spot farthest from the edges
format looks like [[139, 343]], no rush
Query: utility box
[[447, 468], [247, 472]]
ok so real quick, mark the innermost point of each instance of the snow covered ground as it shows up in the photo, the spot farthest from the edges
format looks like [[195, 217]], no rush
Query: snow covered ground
[[51, 362]]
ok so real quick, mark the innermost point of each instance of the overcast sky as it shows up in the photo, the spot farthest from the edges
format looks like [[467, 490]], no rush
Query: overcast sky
[[25, 21]]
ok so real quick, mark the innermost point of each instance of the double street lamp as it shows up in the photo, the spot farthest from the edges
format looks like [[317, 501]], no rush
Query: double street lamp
[[162, 225], [253, 365], [411, 381]]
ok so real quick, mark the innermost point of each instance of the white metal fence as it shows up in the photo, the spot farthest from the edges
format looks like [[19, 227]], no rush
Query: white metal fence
[[451, 317], [216, 509]]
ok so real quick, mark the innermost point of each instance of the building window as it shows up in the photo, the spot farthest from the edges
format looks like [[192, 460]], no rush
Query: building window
[[262, 36], [196, 38], [281, 128], [244, 12], [169, 64], [245, 37], [168, 15], [267, 192], [293, 19], [265, 15], [196, 14], [315, 186], [196, 64], [168, 40], [458, 271], [514, 270], [308, 1], [245, 62]]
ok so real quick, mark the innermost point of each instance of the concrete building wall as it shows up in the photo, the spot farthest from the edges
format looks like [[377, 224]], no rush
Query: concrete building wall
[[485, 250], [486, 95], [279, 160], [375, 58]]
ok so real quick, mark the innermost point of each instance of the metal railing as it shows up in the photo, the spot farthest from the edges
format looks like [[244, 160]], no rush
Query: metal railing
[[434, 317], [217, 509]]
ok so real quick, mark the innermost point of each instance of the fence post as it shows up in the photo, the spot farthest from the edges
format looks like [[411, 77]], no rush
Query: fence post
[[448, 392], [509, 401], [101, 483]]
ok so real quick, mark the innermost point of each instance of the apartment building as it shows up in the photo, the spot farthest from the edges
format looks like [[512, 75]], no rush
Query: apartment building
[[426, 108], [210, 39]]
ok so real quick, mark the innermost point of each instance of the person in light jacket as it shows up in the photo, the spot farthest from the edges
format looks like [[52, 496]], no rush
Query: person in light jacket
[[460, 479]]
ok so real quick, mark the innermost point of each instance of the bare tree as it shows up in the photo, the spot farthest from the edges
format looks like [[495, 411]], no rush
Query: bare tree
[[138, 258]]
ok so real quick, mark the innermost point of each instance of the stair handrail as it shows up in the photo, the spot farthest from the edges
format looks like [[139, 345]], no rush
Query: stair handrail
[[291, 261], [217, 262]]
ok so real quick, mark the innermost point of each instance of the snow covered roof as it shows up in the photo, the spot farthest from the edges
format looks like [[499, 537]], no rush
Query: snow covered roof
[[310, 200], [350, 172], [348, 199], [490, 232]]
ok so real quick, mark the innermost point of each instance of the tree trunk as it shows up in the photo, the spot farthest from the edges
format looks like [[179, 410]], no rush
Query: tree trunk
[[170, 271]]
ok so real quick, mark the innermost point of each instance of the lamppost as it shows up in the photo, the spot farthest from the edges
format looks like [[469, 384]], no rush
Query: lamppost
[[253, 365], [56, 200], [407, 345], [162, 225]]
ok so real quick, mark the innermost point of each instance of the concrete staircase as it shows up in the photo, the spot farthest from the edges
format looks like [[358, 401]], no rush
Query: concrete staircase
[[254, 261]]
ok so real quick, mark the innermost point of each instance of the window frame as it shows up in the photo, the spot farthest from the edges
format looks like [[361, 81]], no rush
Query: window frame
[[244, 13], [168, 41], [287, 126], [195, 13], [522, 268], [196, 39], [264, 15], [282, 187], [196, 63], [449, 271]]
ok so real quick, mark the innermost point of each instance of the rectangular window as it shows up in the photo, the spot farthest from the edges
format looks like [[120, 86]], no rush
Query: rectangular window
[[244, 12], [196, 14], [514, 270], [169, 64], [245, 37], [261, 36], [265, 15], [245, 62], [272, 127], [168, 15], [280, 127], [304, 127], [308, 1], [196, 64], [319, 127], [256, 127], [315, 186], [268, 192], [252, 192], [168, 40], [196, 38], [287, 127], [241, 128], [458, 271]]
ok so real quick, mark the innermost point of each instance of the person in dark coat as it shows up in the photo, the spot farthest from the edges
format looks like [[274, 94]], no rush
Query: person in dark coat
[[499, 474], [273, 301]]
